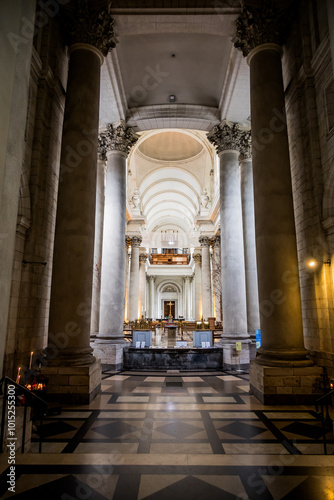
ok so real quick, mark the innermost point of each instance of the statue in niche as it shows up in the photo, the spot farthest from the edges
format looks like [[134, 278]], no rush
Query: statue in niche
[[136, 198], [204, 198]]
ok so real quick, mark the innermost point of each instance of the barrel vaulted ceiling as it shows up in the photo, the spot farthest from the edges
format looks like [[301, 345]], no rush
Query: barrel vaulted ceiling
[[182, 49]]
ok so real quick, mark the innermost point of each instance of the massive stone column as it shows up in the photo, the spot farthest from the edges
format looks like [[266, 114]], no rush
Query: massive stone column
[[142, 285], [114, 146], [247, 198], [198, 287], [260, 35], [217, 277], [152, 298], [228, 139], [206, 277], [134, 278], [99, 214], [90, 37]]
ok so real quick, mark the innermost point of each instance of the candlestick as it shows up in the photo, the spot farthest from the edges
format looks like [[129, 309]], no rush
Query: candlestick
[[18, 375], [31, 354]]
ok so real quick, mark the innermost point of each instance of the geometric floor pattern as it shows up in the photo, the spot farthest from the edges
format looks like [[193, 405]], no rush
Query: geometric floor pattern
[[174, 435]]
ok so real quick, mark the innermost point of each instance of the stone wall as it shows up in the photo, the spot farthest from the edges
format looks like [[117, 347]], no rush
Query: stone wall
[[308, 76], [30, 289]]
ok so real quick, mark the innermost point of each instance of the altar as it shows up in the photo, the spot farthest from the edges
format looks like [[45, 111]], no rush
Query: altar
[[165, 358]]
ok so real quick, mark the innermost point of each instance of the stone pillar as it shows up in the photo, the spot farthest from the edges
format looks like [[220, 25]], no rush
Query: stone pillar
[[228, 139], [217, 277], [152, 298], [99, 214], [186, 300], [142, 285], [71, 291], [134, 278], [127, 277], [279, 294], [330, 17], [206, 277], [247, 198], [114, 145], [198, 287]]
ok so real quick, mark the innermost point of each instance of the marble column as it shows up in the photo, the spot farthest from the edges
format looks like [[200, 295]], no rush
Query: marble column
[[227, 138], [260, 35], [217, 276], [114, 145], [71, 290], [127, 277], [152, 298], [247, 198], [279, 293], [198, 287], [142, 285], [134, 278], [206, 277], [99, 214]]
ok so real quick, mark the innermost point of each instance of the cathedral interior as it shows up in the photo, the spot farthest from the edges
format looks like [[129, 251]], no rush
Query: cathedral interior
[[166, 249]]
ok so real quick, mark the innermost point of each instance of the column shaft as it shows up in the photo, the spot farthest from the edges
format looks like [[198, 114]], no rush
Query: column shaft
[[152, 298], [113, 255], [279, 294], [134, 282], [232, 247], [142, 286], [99, 215], [198, 288], [247, 197], [71, 290], [206, 281]]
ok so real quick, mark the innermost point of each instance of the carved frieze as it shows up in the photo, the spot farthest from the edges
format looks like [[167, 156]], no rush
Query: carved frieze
[[118, 137]]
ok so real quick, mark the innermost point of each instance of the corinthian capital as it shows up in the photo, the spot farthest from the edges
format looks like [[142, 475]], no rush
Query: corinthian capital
[[84, 24], [204, 241], [255, 27], [142, 258], [116, 138], [197, 258], [230, 136]]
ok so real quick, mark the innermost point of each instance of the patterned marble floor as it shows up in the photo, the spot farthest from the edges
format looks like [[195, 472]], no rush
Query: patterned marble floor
[[178, 436]]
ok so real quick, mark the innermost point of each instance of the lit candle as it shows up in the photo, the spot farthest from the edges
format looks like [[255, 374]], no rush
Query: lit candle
[[18, 375], [31, 354]]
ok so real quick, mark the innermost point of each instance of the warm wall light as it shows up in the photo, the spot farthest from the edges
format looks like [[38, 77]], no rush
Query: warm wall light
[[313, 263]]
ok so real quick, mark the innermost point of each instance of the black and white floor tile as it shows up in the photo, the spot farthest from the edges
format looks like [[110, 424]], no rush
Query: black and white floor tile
[[176, 435]]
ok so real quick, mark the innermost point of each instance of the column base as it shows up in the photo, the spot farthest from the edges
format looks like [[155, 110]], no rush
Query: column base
[[284, 385], [111, 355], [234, 360], [73, 384], [283, 357]]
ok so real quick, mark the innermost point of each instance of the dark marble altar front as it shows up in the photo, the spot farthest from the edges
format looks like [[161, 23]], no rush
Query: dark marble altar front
[[166, 358]]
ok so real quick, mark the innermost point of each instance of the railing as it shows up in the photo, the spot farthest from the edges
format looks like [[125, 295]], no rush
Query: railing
[[31, 400], [327, 423]]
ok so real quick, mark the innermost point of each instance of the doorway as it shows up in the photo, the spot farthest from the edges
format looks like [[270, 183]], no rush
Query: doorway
[[168, 308]]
